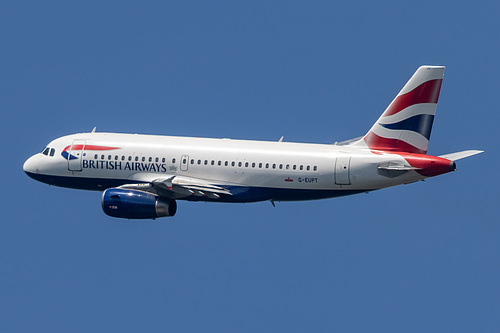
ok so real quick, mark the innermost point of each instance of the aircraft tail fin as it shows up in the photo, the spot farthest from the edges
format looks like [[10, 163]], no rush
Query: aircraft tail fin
[[406, 124]]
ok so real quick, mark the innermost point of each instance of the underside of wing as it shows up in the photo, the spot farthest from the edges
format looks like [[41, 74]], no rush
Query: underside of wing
[[179, 187]]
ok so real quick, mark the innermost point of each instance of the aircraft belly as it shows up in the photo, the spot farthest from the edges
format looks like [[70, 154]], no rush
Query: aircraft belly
[[243, 194], [239, 193]]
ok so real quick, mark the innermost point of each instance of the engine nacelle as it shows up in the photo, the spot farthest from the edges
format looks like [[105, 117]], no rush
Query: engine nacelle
[[132, 204]]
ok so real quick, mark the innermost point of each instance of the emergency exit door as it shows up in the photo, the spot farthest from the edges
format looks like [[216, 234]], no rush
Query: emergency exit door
[[184, 162]]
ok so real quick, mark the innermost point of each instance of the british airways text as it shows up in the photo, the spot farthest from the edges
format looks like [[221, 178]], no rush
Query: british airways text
[[133, 166]]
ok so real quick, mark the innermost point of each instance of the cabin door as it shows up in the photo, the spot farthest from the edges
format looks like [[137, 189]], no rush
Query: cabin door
[[75, 155], [342, 166]]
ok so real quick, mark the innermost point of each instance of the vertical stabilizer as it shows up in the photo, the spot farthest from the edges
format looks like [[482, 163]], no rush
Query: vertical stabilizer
[[407, 122]]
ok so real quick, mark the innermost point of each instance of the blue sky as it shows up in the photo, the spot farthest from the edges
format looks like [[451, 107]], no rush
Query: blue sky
[[420, 257]]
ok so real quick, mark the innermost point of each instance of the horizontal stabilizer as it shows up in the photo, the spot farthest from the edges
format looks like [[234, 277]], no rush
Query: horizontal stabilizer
[[392, 170], [461, 154], [396, 167]]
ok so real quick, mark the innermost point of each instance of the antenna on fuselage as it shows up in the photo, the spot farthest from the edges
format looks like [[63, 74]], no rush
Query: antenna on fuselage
[[281, 139], [93, 130]]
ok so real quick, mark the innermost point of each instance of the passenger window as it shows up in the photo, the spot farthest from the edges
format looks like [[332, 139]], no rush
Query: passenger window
[[143, 159], [219, 163], [232, 163], [130, 158], [116, 157], [156, 159], [173, 160], [109, 157], [184, 161], [150, 159], [163, 160], [226, 163], [315, 168], [294, 167], [123, 157], [288, 166], [308, 168], [213, 162], [246, 164], [267, 165], [239, 164], [199, 161], [95, 156], [281, 166], [274, 165], [192, 161], [206, 162], [260, 165], [301, 167], [102, 157], [253, 165]]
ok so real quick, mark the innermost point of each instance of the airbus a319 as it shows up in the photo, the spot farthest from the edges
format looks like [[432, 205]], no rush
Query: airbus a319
[[142, 176]]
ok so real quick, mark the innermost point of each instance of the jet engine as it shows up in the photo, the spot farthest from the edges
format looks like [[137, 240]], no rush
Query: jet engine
[[133, 204]]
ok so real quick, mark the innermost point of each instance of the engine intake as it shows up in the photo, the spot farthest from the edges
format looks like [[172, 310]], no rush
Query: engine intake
[[132, 204]]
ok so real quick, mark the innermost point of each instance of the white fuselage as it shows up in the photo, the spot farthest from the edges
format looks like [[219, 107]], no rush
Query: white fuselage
[[252, 170]]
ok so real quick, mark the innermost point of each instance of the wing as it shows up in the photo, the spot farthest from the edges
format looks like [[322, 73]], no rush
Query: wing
[[176, 187]]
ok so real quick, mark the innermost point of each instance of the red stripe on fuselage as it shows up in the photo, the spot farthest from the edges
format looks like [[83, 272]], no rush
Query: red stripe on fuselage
[[427, 92], [89, 147], [429, 166], [426, 165]]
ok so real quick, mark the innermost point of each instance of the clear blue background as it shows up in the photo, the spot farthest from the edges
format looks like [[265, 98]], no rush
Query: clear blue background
[[417, 258]]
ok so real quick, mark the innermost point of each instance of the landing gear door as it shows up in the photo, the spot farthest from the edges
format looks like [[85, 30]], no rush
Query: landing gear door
[[75, 155], [342, 166]]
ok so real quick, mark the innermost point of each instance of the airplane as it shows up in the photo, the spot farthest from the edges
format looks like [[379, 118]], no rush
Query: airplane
[[142, 176]]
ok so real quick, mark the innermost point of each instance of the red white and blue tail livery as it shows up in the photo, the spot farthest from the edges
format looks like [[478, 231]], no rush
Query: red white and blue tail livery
[[143, 176], [406, 124]]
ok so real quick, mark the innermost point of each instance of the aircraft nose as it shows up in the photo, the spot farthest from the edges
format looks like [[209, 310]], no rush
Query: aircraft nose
[[30, 166]]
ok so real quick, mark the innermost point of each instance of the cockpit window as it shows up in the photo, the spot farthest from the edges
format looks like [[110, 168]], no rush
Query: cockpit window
[[49, 151]]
